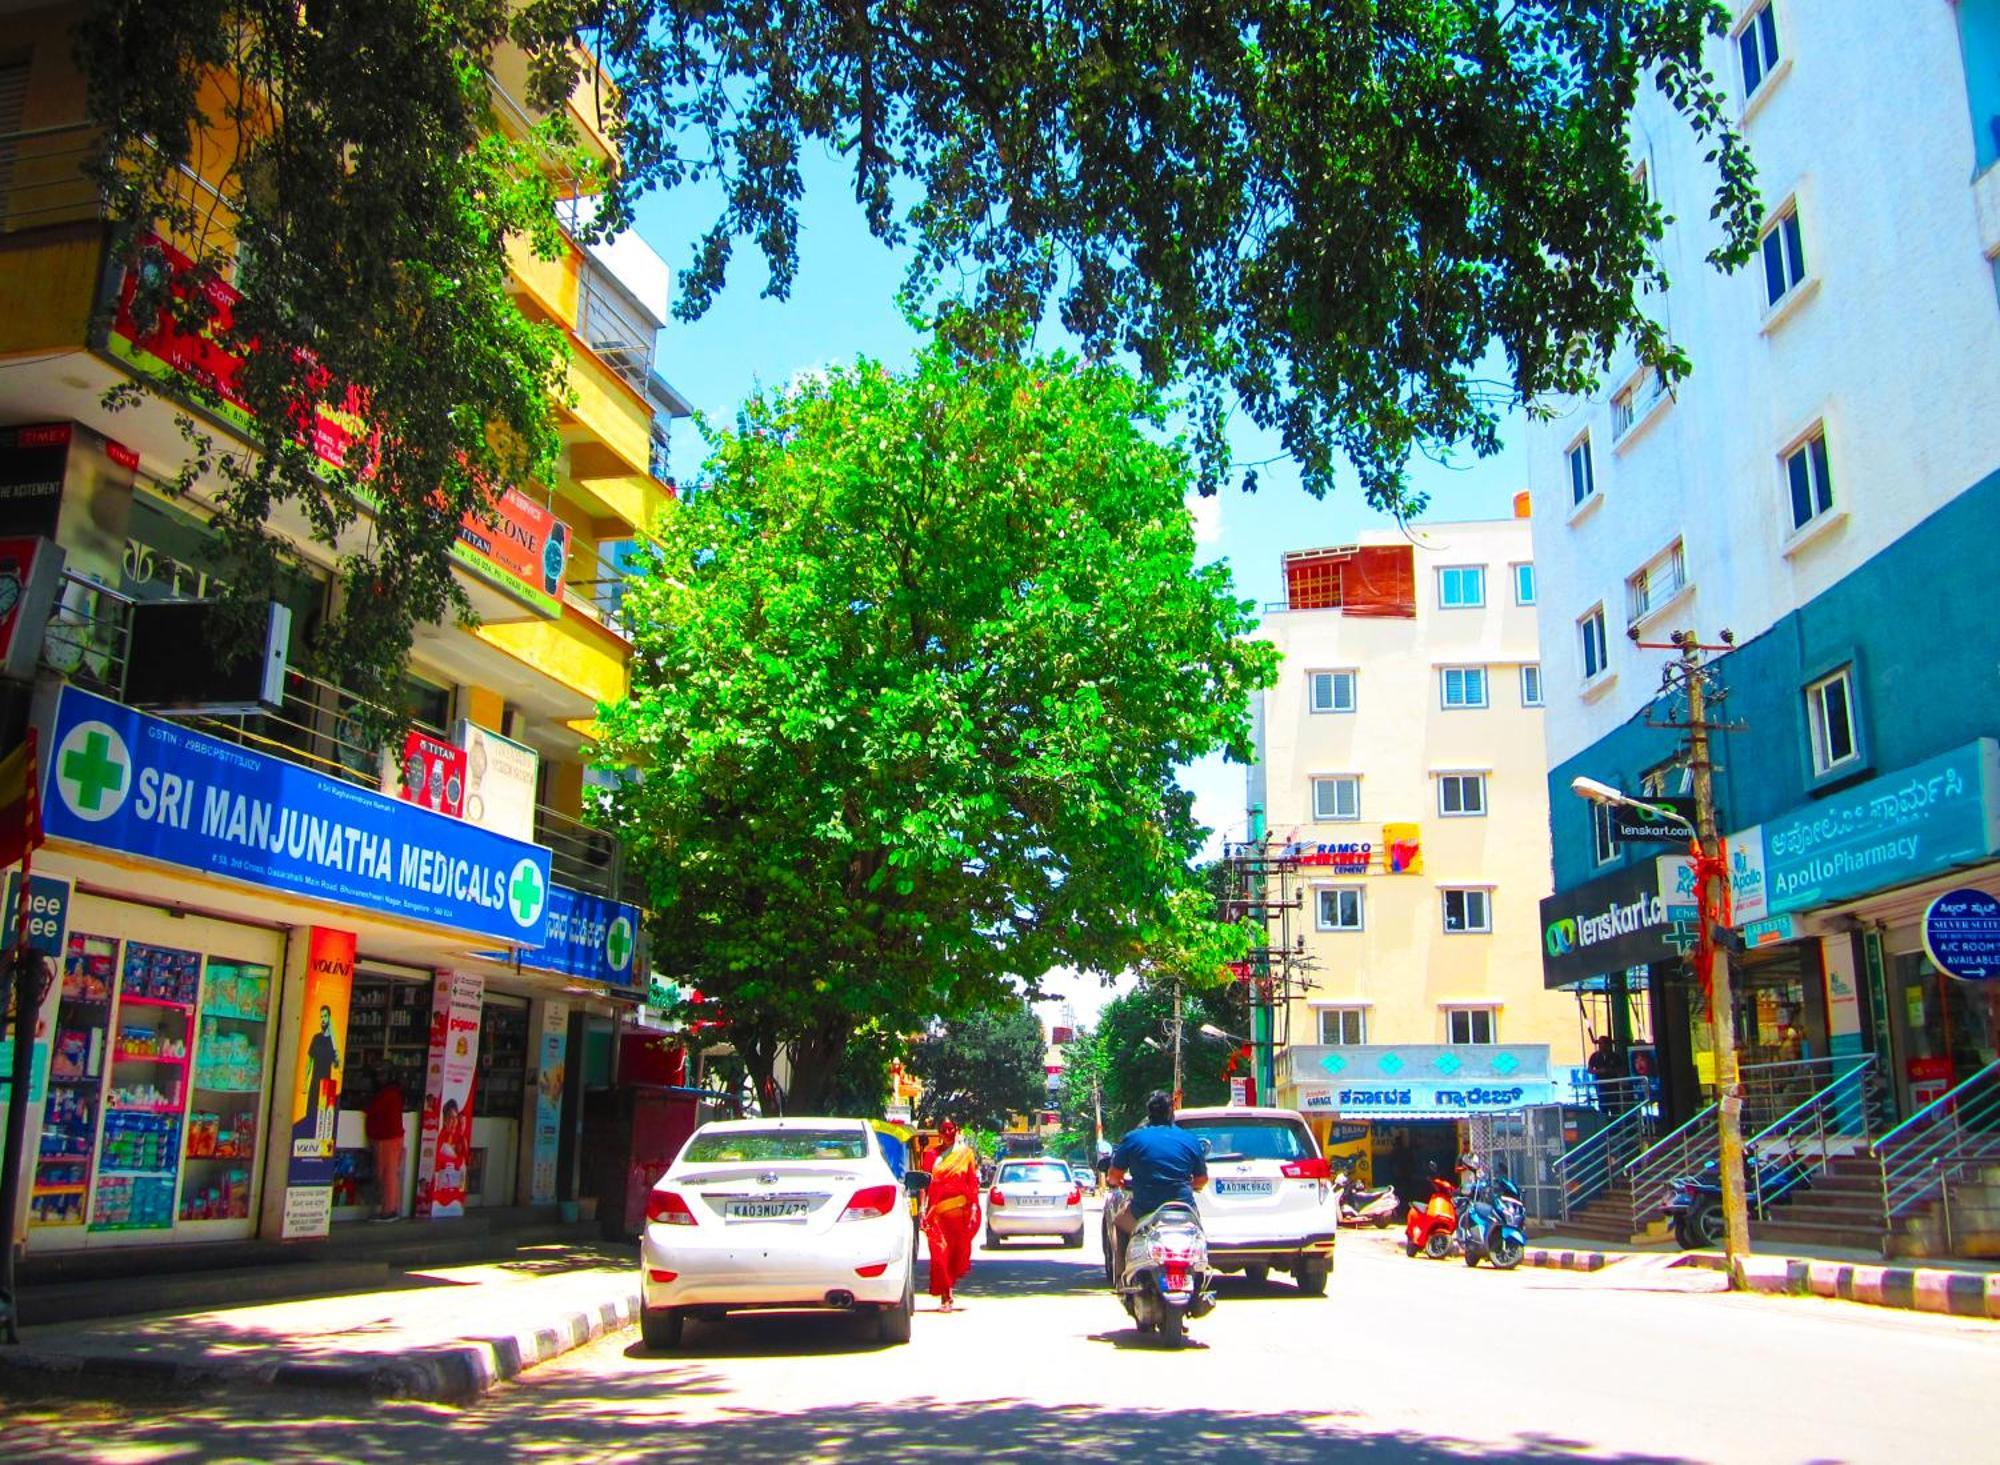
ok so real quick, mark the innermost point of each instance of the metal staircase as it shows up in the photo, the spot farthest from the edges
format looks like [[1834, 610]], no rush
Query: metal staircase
[[1596, 1200], [1937, 1173], [1809, 1177], [1810, 1113]]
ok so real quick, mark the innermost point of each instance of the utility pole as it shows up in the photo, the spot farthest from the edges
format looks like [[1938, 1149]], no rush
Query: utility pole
[[1180, 1021], [1713, 902]]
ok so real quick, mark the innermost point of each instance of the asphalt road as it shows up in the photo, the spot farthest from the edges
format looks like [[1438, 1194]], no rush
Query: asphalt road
[[1415, 1362]]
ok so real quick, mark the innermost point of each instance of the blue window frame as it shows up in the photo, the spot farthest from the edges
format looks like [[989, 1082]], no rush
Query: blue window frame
[[1757, 46], [1784, 256], [1461, 587], [1463, 686], [1524, 583]]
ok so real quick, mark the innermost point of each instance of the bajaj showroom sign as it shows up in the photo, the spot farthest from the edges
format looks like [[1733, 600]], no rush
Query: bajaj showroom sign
[[1606, 925]]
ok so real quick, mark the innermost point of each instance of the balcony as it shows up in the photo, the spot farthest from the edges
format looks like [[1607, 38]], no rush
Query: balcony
[[586, 859]]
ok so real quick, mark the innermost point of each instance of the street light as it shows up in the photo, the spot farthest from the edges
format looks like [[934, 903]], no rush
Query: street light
[[1711, 888], [1210, 1030]]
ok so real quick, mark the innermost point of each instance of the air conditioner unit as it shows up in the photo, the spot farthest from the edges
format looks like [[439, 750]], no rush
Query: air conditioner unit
[[175, 661]]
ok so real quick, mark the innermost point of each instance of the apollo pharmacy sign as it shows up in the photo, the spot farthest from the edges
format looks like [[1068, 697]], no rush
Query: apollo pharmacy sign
[[140, 785], [1606, 925]]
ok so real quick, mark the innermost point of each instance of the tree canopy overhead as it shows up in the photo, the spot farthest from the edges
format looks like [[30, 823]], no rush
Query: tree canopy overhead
[[915, 664], [1326, 212]]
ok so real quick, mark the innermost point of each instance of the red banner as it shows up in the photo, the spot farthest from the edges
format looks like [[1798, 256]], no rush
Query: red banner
[[433, 774]]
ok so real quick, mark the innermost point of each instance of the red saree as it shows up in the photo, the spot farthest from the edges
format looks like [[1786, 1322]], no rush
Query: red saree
[[951, 1216]]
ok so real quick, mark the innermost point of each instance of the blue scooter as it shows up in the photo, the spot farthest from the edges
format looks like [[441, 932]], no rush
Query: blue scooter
[[1492, 1219]]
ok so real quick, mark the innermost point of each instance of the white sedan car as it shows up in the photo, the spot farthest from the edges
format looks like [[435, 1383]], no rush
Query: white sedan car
[[777, 1214]]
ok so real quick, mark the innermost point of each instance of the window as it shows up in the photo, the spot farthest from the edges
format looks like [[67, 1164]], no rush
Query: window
[[1979, 45], [1757, 48], [1337, 798], [1663, 577], [1343, 1027], [1784, 256], [1339, 907], [1461, 587], [1469, 1024], [1467, 910], [1333, 691], [1603, 833], [1590, 631], [1810, 480], [1531, 685], [1622, 414], [1830, 718], [1582, 478], [1461, 795], [1524, 584], [1463, 686]]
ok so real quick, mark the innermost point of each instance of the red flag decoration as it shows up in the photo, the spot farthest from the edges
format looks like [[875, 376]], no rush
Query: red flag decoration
[[20, 803]]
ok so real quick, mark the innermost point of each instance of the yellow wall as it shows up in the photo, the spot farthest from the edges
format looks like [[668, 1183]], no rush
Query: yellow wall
[[1403, 967]]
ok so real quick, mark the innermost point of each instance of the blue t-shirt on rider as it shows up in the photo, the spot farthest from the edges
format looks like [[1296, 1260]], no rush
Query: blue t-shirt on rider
[[1160, 1161]]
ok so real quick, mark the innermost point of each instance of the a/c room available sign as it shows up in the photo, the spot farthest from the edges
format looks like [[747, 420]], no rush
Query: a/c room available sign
[[1962, 935]]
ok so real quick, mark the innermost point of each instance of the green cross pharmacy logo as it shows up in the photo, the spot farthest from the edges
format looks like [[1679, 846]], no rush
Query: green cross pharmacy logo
[[93, 771], [618, 943], [527, 892]]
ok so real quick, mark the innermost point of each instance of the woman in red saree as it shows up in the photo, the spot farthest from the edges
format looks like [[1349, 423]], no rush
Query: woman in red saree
[[951, 1211]]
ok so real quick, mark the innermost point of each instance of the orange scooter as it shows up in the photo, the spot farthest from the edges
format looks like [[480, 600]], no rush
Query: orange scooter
[[1429, 1230]]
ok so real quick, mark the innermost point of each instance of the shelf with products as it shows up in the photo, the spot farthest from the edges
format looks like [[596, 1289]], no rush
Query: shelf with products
[[388, 1027], [78, 1066], [503, 1061], [228, 1084]]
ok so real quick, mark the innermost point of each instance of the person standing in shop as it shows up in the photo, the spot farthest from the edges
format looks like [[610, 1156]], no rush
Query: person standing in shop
[[385, 1137]]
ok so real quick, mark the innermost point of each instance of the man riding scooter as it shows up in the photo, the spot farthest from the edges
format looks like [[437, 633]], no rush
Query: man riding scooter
[[1161, 1162]]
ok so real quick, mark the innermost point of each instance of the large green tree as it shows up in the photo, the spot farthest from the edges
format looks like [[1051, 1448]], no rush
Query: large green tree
[[983, 1066], [1328, 213], [915, 664]]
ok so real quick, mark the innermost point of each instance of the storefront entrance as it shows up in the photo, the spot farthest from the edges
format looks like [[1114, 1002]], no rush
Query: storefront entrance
[[1945, 1030], [388, 1031], [497, 1097]]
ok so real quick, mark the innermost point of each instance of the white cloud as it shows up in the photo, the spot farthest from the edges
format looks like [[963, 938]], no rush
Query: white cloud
[[1207, 514]]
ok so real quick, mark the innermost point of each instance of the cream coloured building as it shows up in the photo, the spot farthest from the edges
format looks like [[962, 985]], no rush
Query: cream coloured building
[[1400, 758]]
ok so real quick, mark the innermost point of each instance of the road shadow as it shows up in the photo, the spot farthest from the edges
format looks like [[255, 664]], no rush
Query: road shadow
[[636, 1417], [1148, 1342], [769, 1335]]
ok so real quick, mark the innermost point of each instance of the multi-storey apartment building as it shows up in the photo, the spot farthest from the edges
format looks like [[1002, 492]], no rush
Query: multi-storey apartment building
[[1400, 763], [1825, 488], [254, 915]]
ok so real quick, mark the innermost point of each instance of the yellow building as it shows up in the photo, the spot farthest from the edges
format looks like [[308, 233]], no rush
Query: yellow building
[[251, 912], [1400, 770]]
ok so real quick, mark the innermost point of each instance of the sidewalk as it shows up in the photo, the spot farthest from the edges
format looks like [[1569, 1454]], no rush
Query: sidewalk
[[1959, 1289], [447, 1333]]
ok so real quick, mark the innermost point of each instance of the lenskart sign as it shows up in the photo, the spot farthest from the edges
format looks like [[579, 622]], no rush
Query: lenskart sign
[[1607, 925]]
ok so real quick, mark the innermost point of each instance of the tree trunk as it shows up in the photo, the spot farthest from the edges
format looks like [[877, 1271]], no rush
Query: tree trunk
[[816, 1060]]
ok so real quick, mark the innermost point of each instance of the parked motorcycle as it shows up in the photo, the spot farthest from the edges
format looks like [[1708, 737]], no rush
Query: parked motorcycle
[[1694, 1202], [1428, 1229], [1360, 1207], [1167, 1276], [1492, 1224]]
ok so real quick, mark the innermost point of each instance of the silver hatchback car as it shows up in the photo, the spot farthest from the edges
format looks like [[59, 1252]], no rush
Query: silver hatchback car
[[1034, 1198]]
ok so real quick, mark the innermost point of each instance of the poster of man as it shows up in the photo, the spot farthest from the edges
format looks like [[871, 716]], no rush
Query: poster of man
[[322, 1043]]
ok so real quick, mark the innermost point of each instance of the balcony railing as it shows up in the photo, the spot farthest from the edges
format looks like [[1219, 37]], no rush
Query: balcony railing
[[617, 334], [585, 858], [44, 177]]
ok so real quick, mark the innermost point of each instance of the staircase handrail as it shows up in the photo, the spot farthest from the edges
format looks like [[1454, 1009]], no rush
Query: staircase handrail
[[1930, 1111], [1636, 1116], [1864, 1066], [1641, 1161], [1908, 1155], [1594, 1162]]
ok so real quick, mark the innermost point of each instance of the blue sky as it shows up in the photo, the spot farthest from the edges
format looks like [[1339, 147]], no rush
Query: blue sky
[[843, 305]]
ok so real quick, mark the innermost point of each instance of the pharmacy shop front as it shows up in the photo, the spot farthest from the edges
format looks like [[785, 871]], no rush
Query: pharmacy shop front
[[220, 921]]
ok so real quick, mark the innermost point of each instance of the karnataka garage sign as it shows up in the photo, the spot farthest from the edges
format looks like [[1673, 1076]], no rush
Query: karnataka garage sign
[[140, 785]]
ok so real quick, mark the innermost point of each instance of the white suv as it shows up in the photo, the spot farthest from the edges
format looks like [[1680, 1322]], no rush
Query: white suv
[[1270, 1202]]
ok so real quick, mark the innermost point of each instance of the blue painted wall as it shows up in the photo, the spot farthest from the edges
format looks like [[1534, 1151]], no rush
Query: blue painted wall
[[1921, 623]]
